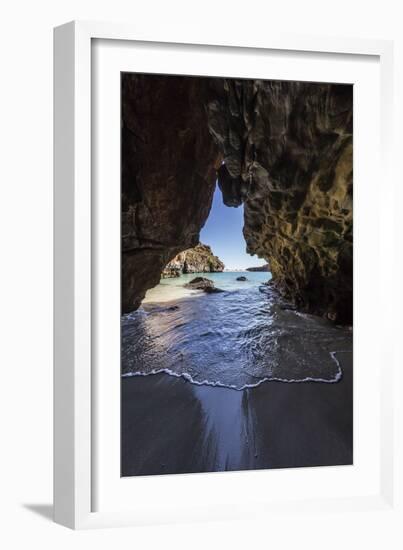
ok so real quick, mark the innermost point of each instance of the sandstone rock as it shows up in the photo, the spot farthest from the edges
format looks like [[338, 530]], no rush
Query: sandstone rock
[[169, 163], [287, 149], [233, 189], [170, 271], [287, 152], [199, 259]]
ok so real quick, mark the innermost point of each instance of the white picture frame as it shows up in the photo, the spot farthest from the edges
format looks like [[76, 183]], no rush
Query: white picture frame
[[77, 417]]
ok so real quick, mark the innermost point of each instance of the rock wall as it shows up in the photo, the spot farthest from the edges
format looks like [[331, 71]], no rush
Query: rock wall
[[287, 149], [169, 166], [199, 259]]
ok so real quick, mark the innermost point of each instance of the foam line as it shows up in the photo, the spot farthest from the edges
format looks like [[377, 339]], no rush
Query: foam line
[[186, 376]]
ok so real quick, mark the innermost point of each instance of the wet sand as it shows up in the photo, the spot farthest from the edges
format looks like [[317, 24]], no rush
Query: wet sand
[[169, 292], [170, 426]]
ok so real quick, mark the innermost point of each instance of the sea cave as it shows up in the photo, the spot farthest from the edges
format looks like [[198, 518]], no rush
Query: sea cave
[[282, 149]]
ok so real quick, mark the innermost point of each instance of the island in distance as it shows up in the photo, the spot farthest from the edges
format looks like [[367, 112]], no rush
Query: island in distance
[[263, 268]]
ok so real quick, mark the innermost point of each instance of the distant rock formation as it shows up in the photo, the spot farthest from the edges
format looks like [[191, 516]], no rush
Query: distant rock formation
[[264, 268], [199, 259]]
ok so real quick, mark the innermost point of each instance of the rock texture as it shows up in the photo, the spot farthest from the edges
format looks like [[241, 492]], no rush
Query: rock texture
[[202, 283], [199, 259], [287, 156], [169, 166], [287, 149]]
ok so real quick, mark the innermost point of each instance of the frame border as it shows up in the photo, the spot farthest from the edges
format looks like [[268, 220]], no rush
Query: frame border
[[72, 254]]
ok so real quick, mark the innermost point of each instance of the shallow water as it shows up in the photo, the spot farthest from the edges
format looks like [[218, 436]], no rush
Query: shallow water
[[173, 288], [237, 339]]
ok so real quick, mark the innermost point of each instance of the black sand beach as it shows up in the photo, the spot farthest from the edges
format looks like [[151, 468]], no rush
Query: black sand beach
[[253, 369], [170, 426]]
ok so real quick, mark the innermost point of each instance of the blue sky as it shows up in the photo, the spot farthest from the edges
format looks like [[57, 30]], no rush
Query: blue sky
[[223, 232]]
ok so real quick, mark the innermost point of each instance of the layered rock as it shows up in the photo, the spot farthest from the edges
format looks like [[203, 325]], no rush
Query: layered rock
[[169, 166], [199, 259], [287, 150]]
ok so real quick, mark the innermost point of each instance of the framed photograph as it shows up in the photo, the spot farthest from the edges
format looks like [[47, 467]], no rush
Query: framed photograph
[[220, 230]]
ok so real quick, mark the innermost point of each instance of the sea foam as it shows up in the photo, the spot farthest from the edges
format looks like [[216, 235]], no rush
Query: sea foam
[[238, 339]]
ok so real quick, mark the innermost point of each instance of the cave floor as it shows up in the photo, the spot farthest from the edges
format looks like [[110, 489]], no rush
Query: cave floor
[[170, 426]]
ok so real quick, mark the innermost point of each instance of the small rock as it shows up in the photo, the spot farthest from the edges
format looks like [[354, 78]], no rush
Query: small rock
[[212, 290], [241, 278], [202, 283]]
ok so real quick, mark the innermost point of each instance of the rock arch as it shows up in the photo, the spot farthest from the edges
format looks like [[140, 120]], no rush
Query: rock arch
[[287, 154]]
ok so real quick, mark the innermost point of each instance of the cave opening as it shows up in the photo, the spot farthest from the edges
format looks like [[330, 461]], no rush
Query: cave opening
[[223, 232], [282, 153]]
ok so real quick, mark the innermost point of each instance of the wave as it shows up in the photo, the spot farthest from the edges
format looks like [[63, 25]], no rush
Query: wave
[[235, 340], [217, 384]]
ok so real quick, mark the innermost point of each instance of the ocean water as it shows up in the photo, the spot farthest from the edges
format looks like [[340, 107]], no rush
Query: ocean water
[[240, 338], [171, 289]]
